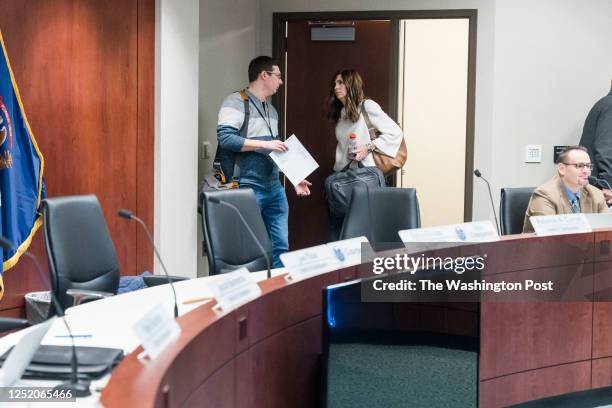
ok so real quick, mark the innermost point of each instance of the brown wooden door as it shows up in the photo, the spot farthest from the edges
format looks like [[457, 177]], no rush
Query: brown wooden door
[[309, 70]]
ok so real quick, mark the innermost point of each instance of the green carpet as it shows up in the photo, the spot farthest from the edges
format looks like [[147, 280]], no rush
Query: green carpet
[[390, 376]]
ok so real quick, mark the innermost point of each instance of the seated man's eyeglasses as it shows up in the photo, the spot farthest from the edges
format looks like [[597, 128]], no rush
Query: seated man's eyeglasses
[[580, 166]]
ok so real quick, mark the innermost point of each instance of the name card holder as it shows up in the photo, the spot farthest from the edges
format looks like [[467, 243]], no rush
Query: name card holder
[[545, 225], [478, 231], [600, 220], [348, 251], [308, 262], [233, 289], [156, 330]]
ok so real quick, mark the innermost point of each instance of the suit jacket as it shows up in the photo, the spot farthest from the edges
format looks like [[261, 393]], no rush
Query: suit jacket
[[550, 199], [597, 137]]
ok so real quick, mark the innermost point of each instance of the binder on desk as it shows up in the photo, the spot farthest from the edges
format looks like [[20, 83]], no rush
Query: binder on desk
[[53, 362]]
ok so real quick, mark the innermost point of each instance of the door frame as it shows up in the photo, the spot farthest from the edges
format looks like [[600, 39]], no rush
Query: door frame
[[279, 47]]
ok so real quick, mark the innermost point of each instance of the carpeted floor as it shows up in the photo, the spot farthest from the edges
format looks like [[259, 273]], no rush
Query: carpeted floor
[[394, 376]]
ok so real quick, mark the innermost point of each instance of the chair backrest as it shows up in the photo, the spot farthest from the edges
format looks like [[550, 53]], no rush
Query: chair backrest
[[228, 242], [79, 248], [380, 212], [512, 208]]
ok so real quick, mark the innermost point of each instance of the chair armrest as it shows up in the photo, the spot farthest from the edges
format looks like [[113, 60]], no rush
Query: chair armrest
[[12, 323], [154, 280], [82, 295]]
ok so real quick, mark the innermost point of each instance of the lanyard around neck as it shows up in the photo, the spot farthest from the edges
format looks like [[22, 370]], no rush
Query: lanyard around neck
[[268, 122]]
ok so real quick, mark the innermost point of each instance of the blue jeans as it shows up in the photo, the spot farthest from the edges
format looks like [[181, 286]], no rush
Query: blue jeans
[[275, 214]]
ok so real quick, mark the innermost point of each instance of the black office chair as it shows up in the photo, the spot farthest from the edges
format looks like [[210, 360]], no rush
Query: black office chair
[[82, 259], [512, 208], [380, 212], [228, 243]]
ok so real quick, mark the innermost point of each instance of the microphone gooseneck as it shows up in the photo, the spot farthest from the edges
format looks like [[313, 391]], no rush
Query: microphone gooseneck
[[127, 214], [217, 201], [478, 174]]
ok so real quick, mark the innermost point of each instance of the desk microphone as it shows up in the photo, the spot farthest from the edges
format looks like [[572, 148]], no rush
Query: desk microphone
[[478, 174], [128, 215], [215, 200], [78, 387], [599, 181]]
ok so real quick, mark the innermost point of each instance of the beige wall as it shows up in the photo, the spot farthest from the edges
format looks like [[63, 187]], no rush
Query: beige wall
[[228, 41], [553, 60], [176, 134]]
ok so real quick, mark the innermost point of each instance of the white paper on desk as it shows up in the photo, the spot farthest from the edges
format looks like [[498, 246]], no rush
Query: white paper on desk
[[296, 163]]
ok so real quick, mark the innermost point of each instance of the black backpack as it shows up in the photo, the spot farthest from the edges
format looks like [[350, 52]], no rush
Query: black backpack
[[339, 186]]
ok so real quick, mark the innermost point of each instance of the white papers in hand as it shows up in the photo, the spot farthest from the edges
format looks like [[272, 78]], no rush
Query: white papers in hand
[[296, 163]]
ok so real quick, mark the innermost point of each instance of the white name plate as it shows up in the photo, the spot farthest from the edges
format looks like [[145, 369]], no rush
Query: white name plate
[[600, 220], [544, 225], [348, 251], [234, 289], [156, 330], [478, 231], [310, 261]]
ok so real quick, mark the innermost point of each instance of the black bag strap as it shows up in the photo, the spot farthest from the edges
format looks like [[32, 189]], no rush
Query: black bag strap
[[242, 132], [359, 164]]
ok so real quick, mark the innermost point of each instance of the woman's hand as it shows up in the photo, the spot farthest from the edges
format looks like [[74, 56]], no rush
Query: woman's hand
[[361, 152]]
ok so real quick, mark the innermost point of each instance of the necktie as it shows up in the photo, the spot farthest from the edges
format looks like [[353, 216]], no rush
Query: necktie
[[575, 205]]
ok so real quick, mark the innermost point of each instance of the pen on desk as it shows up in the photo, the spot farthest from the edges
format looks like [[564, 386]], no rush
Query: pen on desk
[[67, 336], [196, 300]]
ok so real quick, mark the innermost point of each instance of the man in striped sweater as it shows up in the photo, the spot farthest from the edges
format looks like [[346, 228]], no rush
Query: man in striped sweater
[[245, 147]]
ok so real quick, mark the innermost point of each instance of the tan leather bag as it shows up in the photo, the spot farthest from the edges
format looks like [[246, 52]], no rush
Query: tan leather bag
[[386, 164]]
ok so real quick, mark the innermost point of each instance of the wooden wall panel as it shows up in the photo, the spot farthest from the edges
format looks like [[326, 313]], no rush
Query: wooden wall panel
[[601, 373], [290, 360], [602, 329], [535, 384], [85, 70], [520, 336], [146, 129], [217, 391]]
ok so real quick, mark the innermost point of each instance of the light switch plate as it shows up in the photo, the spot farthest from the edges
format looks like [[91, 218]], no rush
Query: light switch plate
[[533, 154], [205, 150]]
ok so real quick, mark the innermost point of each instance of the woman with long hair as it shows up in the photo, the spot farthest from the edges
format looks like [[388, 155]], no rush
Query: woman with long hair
[[346, 102]]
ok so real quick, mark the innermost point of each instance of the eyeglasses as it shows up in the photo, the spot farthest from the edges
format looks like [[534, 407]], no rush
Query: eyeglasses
[[277, 74], [581, 166]]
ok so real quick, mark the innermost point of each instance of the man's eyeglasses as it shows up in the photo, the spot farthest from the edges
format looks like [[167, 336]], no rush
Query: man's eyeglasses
[[277, 74], [580, 166]]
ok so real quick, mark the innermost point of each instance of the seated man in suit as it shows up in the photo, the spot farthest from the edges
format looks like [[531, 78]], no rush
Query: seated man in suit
[[569, 191]]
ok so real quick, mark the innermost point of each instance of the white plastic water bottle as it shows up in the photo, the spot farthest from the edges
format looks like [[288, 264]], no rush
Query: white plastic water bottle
[[352, 145]]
